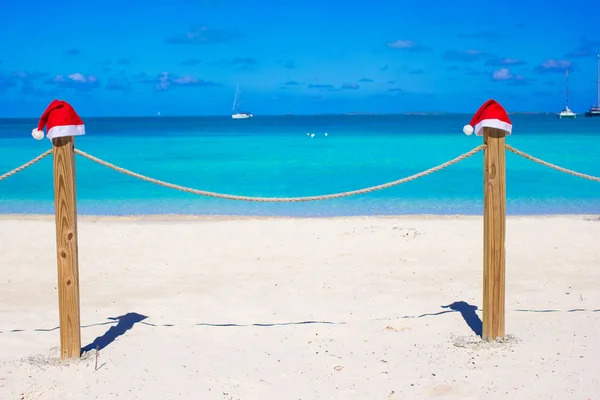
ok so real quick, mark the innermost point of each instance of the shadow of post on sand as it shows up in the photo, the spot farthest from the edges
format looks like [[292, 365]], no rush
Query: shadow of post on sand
[[469, 314], [125, 323]]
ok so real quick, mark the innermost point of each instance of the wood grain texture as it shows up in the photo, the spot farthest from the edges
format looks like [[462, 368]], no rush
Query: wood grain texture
[[65, 206], [494, 233]]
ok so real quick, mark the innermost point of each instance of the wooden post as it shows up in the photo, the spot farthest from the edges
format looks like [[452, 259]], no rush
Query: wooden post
[[66, 246], [494, 232]]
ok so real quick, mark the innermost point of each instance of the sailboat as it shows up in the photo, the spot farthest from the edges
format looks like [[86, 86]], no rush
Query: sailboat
[[567, 113], [235, 112], [594, 111]]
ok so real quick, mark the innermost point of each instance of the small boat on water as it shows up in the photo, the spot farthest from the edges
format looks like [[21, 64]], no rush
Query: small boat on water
[[594, 111], [567, 113], [235, 111], [241, 115]]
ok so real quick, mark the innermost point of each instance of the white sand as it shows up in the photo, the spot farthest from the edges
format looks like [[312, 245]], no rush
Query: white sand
[[379, 282]]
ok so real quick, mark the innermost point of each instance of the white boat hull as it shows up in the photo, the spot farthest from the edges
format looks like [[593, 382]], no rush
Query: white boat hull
[[567, 114], [593, 112], [241, 116]]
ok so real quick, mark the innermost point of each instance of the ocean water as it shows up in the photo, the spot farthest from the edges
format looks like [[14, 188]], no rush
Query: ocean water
[[273, 156]]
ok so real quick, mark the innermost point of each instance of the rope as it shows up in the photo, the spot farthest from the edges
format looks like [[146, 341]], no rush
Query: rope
[[27, 164], [282, 199], [547, 164], [304, 198]]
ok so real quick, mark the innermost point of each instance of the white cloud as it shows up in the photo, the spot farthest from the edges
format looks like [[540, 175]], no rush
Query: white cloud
[[402, 44], [503, 74], [552, 64], [75, 80], [77, 77]]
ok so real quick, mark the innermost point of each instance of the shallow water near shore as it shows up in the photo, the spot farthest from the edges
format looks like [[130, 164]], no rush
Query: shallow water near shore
[[274, 156]]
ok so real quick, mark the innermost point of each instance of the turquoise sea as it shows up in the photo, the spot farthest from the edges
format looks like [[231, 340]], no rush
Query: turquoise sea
[[274, 156]]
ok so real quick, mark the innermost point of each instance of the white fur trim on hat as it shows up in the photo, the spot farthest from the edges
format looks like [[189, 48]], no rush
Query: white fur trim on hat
[[493, 123], [66, 130]]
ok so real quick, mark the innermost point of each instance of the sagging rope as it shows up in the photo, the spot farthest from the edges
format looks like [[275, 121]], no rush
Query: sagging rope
[[26, 165], [282, 199], [301, 198], [549, 165]]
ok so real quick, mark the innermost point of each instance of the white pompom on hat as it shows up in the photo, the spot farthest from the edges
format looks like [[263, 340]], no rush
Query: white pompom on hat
[[37, 134]]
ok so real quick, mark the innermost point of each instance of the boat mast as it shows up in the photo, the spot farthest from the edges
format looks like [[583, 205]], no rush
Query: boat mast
[[567, 86], [598, 83], [235, 98]]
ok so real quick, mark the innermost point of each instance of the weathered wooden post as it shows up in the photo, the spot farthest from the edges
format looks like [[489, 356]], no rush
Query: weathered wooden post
[[63, 124], [492, 122], [494, 232]]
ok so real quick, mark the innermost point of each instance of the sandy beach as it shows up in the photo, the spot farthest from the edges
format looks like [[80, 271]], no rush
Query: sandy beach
[[282, 308]]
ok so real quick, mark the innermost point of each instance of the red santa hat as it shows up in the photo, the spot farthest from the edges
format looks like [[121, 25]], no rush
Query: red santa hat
[[490, 115], [61, 120]]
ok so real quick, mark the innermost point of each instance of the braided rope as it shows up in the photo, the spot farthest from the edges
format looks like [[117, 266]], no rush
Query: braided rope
[[281, 199], [26, 165], [547, 164]]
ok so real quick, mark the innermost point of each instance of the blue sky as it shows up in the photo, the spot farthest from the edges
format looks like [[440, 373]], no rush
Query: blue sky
[[184, 57]]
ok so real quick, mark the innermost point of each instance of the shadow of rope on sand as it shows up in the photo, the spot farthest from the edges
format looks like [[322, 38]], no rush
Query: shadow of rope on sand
[[452, 308], [126, 322]]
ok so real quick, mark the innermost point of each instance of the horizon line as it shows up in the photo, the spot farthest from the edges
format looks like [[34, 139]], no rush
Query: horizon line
[[351, 113]]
